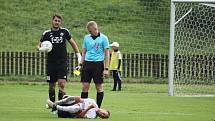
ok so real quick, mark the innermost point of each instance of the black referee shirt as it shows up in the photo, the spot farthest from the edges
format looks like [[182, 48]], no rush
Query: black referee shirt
[[58, 40]]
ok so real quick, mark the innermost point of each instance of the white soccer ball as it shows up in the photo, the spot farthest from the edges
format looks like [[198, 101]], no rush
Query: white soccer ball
[[46, 46]]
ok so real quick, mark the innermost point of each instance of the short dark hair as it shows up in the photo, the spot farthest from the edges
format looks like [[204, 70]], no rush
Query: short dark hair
[[57, 15], [108, 113]]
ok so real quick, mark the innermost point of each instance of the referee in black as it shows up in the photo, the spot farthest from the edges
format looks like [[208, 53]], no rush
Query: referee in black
[[57, 57], [95, 60]]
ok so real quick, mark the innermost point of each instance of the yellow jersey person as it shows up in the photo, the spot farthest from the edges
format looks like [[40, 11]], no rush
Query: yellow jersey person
[[116, 65]]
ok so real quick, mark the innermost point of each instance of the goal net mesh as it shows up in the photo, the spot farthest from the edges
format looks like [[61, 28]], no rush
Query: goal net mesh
[[194, 45]]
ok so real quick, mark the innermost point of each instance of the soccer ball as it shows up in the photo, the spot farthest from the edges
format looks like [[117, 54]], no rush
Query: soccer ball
[[46, 46]]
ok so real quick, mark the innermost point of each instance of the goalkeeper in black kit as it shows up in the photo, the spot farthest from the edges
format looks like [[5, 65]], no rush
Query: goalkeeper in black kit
[[57, 58]]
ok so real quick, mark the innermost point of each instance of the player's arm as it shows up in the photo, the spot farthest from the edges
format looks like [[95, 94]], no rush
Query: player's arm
[[119, 64], [83, 55], [83, 112], [38, 45], [106, 62], [84, 51], [119, 60], [74, 45], [107, 58], [75, 48], [43, 37]]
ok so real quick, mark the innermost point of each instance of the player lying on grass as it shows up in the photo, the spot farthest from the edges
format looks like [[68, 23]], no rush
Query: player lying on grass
[[75, 107]]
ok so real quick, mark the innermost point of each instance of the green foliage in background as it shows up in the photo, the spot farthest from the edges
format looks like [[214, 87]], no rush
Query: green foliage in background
[[138, 25]]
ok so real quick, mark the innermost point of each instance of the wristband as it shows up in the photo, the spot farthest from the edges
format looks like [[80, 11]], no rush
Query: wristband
[[79, 57], [78, 54]]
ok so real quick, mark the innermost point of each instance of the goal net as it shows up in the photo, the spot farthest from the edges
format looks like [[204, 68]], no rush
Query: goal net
[[192, 48]]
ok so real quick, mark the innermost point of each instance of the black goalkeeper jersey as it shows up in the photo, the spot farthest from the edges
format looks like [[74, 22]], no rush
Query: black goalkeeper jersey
[[58, 40]]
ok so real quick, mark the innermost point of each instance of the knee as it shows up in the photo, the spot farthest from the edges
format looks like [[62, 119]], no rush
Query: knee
[[99, 88], [77, 99], [61, 85], [85, 88]]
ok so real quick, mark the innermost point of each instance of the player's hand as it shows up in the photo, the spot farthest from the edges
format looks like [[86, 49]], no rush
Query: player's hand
[[105, 73], [77, 70], [42, 49], [92, 106], [38, 47], [81, 114], [78, 67]]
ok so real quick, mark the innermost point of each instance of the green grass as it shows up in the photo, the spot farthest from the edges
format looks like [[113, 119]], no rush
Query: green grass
[[138, 25], [34, 78], [137, 102]]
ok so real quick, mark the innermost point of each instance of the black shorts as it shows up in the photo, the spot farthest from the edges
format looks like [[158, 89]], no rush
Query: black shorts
[[57, 70], [64, 114], [92, 70]]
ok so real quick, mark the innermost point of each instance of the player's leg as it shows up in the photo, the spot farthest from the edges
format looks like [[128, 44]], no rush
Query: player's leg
[[51, 79], [71, 109], [100, 94], [61, 86], [62, 78], [86, 77], [98, 80], [52, 91], [119, 81], [85, 89], [115, 80], [52, 85], [69, 100]]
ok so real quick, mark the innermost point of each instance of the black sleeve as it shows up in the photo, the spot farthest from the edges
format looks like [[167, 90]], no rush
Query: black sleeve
[[68, 35], [119, 64], [43, 37]]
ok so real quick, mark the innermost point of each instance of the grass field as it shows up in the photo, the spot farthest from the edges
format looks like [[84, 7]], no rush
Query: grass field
[[136, 102]]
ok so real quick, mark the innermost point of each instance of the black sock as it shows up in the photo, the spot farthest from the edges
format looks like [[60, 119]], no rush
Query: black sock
[[84, 94], [52, 95], [99, 98], [60, 94], [54, 108]]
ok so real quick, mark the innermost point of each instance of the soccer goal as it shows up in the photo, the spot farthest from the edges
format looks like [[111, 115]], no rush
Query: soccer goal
[[192, 48]]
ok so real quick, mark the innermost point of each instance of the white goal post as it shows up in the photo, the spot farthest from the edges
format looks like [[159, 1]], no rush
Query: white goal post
[[180, 47]]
